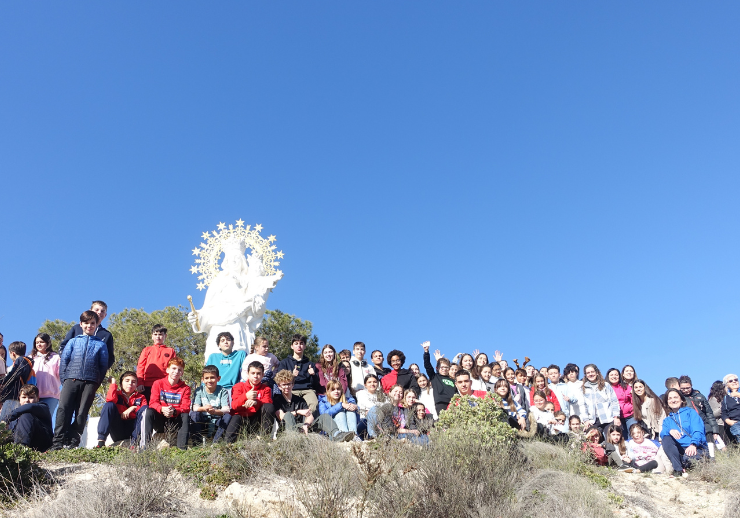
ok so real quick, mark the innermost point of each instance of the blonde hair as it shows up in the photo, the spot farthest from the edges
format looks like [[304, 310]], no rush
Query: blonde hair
[[331, 385], [406, 393]]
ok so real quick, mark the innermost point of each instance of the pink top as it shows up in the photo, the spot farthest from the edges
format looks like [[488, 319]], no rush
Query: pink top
[[625, 399], [47, 374]]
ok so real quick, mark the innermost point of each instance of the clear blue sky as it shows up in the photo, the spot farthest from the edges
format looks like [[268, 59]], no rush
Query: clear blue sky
[[553, 180]]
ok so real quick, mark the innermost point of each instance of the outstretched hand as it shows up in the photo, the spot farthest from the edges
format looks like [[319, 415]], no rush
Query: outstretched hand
[[476, 352], [438, 355], [426, 345], [498, 355]]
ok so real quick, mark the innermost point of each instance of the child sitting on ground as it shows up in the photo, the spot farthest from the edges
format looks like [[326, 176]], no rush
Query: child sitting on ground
[[228, 361], [169, 407], [210, 406], [616, 449], [644, 454], [251, 405], [123, 411], [294, 414], [592, 445], [31, 420], [341, 408], [545, 420]]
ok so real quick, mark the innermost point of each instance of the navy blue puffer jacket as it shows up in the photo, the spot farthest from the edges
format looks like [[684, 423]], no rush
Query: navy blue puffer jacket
[[84, 358]]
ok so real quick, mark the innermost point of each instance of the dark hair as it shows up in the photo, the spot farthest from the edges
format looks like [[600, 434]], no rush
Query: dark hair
[[29, 390], [89, 316], [540, 394], [621, 446], [442, 361], [634, 371], [370, 376], [224, 334], [685, 379], [717, 391], [376, 351], [3, 352], [492, 365], [126, 374], [462, 372], [256, 365], [507, 398], [507, 369], [683, 400], [634, 427], [210, 369], [99, 303], [396, 352], [299, 338], [345, 351], [160, 328], [545, 390], [620, 382], [17, 348], [553, 366], [571, 367], [574, 416], [417, 366], [657, 406], [44, 338], [358, 343], [671, 381]]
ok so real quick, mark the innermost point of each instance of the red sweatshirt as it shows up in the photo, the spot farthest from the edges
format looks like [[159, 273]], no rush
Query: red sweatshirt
[[152, 364], [176, 396], [239, 397], [551, 397], [123, 402]]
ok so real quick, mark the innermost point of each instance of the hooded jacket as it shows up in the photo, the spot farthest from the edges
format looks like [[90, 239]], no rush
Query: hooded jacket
[[124, 402], [689, 425], [698, 402]]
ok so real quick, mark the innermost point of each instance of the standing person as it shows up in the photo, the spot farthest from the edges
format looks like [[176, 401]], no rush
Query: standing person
[[716, 394], [305, 377], [399, 375], [427, 395], [46, 367], [731, 407], [573, 389], [4, 356], [628, 375], [359, 368], [330, 369], [20, 374], [82, 368], [101, 309], [682, 436], [227, 360], [261, 353], [169, 407], [698, 402], [519, 392], [377, 358], [624, 396], [153, 361], [648, 408], [443, 386], [600, 404], [558, 387]]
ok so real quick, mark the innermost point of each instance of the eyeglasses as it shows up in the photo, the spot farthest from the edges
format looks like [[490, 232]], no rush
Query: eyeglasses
[[561, 421], [732, 380]]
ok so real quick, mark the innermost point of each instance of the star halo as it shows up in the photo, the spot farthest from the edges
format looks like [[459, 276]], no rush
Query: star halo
[[209, 251]]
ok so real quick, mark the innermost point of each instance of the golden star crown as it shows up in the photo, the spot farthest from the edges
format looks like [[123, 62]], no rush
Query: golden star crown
[[209, 251]]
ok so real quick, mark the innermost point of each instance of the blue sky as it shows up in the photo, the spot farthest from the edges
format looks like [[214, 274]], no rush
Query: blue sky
[[551, 180]]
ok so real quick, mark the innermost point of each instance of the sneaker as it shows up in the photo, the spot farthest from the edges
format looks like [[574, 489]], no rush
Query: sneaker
[[626, 469], [343, 436], [350, 436], [356, 439], [101, 444], [676, 474]]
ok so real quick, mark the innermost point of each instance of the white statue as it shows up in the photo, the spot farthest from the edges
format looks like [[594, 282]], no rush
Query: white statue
[[237, 293]]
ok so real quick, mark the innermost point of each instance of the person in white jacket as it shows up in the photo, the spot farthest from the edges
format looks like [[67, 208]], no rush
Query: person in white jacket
[[359, 368], [427, 395], [573, 389]]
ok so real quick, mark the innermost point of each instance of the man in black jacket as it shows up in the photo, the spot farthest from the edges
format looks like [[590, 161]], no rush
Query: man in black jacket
[[101, 333], [442, 384], [697, 401]]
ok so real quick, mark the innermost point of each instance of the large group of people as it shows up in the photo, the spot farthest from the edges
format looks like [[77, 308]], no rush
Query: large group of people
[[618, 419]]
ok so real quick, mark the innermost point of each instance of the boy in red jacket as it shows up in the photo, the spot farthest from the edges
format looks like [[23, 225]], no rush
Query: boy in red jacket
[[169, 406], [153, 361], [123, 411], [251, 402]]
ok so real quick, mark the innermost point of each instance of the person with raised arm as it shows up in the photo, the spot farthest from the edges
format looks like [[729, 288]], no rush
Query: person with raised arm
[[443, 386]]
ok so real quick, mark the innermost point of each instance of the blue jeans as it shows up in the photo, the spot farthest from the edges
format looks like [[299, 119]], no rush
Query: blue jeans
[[735, 431], [202, 426], [372, 421], [676, 453], [119, 429], [346, 421], [421, 440], [52, 403], [626, 424]]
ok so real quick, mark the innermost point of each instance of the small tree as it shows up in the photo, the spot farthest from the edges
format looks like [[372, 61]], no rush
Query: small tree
[[56, 329], [279, 328], [481, 417]]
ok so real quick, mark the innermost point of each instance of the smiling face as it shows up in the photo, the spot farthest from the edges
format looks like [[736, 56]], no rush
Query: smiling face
[[590, 373], [41, 345], [467, 362], [539, 402], [481, 360], [210, 380], [377, 358], [520, 377], [629, 374], [539, 382], [613, 377], [530, 370], [639, 389], [395, 362], [485, 373], [510, 377], [409, 399], [674, 401], [496, 370], [371, 385], [422, 381], [502, 390], [396, 395], [453, 370], [328, 355], [100, 311]]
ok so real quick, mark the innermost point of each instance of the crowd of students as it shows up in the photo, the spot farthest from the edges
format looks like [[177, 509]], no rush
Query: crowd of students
[[46, 397]]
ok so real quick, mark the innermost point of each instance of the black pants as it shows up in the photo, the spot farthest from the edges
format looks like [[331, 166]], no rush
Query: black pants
[[29, 431], [156, 422], [648, 466], [76, 398], [260, 421]]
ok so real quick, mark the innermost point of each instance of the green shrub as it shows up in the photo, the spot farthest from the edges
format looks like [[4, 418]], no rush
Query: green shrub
[[480, 416], [18, 468]]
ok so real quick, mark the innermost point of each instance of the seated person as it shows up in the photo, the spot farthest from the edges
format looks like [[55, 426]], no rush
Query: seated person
[[644, 454], [592, 445], [417, 418], [261, 353], [682, 433], [341, 408], [210, 407], [294, 415], [306, 381], [368, 401], [123, 411], [251, 405], [30, 422], [228, 361], [169, 407], [730, 407], [616, 448]]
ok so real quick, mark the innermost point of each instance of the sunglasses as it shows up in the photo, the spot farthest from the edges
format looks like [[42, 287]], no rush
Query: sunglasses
[[732, 380]]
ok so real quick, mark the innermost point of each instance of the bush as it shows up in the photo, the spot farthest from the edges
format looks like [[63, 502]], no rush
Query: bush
[[482, 417], [19, 471]]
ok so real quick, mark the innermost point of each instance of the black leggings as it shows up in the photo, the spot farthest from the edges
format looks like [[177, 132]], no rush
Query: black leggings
[[648, 466]]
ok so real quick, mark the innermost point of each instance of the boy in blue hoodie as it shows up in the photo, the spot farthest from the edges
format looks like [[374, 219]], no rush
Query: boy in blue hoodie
[[82, 368]]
